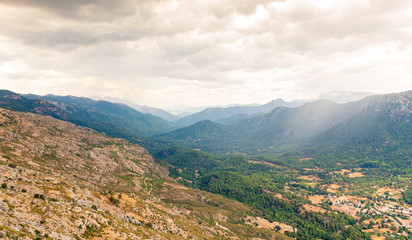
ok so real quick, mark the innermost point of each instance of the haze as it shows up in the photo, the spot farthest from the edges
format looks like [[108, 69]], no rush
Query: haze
[[163, 53]]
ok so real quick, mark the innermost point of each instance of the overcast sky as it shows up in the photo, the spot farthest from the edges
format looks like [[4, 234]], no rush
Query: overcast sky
[[205, 52]]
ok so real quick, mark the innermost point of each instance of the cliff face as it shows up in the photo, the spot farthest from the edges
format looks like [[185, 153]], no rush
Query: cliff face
[[67, 182]]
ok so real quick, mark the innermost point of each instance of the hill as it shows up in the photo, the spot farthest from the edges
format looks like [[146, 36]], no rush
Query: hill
[[114, 119], [62, 181]]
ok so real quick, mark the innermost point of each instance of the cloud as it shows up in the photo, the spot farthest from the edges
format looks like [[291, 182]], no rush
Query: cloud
[[160, 52]]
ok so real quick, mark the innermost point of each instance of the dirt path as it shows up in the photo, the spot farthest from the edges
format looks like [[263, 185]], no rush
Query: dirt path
[[147, 186]]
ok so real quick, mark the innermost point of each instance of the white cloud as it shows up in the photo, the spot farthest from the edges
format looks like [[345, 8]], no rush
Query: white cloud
[[205, 52]]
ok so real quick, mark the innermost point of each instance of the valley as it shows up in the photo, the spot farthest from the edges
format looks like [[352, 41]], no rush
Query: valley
[[317, 171], [205, 120]]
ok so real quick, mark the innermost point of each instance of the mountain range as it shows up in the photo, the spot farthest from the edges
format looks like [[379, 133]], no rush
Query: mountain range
[[384, 119], [141, 108], [230, 114], [114, 119], [225, 114]]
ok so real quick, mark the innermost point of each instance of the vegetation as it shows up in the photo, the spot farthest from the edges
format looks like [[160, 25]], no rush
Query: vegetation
[[407, 196], [256, 185]]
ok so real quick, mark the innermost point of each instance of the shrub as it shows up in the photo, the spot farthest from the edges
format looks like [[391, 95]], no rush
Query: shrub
[[114, 200], [40, 196], [12, 165]]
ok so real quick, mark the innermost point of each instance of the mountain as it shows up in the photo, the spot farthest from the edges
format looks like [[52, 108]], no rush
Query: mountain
[[381, 134], [290, 126], [387, 117], [220, 113], [236, 118], [115, 119], [344, 96], [62, 181], [156, 112], [183, 110], [141, 108], [281, 127], [202, 134], [375, 132]]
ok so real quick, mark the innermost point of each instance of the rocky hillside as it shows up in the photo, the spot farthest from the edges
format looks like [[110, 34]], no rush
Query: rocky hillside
[[61, 181]]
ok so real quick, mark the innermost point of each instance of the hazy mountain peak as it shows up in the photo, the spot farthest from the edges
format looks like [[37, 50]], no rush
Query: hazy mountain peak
[[344, 96], [142, 108]]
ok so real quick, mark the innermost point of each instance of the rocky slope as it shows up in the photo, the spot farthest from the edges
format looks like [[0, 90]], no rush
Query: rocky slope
[[61, 181]]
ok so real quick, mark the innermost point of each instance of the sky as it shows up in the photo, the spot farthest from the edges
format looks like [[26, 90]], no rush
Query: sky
[[205, 52]]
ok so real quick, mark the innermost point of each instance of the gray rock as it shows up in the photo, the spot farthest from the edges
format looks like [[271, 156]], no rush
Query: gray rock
[[132, 220], [4, 207], [82, 202]]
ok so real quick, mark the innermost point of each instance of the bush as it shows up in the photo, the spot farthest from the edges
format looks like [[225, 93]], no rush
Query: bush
[[114, 200], [12, 165], [40, 196], [4, 185]]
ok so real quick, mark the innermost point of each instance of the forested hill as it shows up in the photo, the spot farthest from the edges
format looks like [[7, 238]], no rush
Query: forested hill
[[316, 128], [280, 128], [380, 136], [222, 113], [115, 119]]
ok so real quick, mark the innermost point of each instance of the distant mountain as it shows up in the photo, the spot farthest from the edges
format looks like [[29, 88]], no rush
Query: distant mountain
[[183, 110], [236, 118], [115, 119], [290, 126], [281, 127], [142, 108], [379, 126], [156, 112], [203, 135], [344, 96], [383, 128], [220, 113]]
